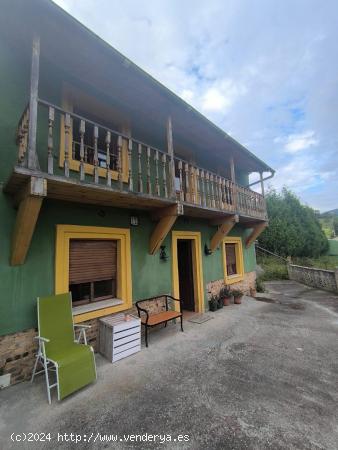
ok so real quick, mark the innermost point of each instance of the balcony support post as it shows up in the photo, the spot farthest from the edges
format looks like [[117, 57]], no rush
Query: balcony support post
[[32, 158], [166, 218], [225, 226], [232, 170], [170, 146], [29, 201], [257, 229]]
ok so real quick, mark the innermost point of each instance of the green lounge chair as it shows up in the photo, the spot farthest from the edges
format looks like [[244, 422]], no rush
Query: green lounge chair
[[73, 363]]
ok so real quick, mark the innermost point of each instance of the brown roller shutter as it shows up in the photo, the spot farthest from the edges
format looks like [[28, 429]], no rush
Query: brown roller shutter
[[91, 260]]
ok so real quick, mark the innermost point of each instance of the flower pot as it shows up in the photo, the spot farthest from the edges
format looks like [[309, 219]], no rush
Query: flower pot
[[226, 301], [238, 300], [212, 306], [5, 380]]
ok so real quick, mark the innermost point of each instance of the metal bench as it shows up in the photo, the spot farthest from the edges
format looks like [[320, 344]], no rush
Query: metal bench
[[155, 310]]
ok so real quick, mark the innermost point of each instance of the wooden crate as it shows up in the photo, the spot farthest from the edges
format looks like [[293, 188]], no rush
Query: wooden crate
[[119, 338]]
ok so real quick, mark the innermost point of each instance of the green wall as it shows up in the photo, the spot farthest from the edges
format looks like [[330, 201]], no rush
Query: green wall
[[22, 284]]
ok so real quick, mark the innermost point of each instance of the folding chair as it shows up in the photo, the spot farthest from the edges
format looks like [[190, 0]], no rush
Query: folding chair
[[73, 363]]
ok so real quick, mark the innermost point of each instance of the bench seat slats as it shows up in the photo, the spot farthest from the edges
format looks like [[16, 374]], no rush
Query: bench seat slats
[[155, 319]]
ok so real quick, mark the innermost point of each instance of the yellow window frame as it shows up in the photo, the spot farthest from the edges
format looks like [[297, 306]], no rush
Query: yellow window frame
[[239, 276], [124, 281], [68, 104]]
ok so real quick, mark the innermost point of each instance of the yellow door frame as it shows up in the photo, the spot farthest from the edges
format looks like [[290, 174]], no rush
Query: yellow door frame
[[195, 237]]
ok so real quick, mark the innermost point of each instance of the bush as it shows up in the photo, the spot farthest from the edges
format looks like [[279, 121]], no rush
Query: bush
[[260, 285], [274, 269], [294, 229]]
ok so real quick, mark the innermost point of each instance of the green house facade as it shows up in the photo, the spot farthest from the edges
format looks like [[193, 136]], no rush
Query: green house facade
[[112, 187]]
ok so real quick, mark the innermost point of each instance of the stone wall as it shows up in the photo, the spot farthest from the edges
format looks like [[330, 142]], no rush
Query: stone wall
[[18, 350], [248, 285], [317, 278]]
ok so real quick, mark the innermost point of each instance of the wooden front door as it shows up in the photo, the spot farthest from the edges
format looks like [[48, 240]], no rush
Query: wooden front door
[[185, 273]]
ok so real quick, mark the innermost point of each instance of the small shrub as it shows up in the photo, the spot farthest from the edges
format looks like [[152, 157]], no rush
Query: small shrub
[[259, 285]]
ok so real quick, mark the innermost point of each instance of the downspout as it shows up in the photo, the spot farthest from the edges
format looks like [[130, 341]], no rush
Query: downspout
[[261, 180]]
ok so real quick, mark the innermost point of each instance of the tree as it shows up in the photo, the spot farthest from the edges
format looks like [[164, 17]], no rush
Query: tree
[[294, 229], [335, 225]]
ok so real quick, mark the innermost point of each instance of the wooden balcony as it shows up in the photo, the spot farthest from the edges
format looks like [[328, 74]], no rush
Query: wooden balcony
[[87, 162]]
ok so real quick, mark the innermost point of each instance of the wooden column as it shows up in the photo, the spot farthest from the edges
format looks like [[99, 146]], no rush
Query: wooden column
[[29, 201], [262, 183], [166, 218], [170, 146], [32, 158], [225, 225], [257, 229], [232, 170]]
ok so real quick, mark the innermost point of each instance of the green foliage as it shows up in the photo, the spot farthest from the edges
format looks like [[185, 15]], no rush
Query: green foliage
[[260, 285], [323, 262], [274, 269], [335, 225], [294, 229]]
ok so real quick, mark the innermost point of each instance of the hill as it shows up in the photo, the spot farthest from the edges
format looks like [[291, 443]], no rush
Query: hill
[[333, 212]]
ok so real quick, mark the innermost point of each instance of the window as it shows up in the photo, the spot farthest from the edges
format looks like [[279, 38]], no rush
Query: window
[[88, 139], [94, 263], [93, 110], [233, 260], [92, 270]]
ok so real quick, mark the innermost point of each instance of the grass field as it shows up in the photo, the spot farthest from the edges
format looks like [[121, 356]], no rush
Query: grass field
[[275, 269]]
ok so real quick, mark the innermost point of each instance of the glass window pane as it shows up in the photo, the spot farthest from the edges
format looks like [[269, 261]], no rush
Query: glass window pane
[[80, 293], [230, 251]]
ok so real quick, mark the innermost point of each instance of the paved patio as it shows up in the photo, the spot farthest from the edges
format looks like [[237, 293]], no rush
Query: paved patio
[[259, 375]]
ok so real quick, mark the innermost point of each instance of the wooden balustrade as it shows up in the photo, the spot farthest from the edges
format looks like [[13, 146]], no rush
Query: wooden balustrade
[[100, 155], [22, 136]]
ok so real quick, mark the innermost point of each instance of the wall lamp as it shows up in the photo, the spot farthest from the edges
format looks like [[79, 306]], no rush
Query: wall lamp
[[207, 250], [163, 255]]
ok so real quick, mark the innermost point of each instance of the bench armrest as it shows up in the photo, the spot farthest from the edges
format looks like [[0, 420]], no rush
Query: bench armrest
[[139, 310], [175, 300]]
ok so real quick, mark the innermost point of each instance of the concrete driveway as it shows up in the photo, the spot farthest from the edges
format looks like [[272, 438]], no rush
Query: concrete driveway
[[255, 376]]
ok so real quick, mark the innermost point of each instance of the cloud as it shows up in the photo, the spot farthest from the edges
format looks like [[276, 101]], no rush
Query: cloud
[[259, 72], [295, 143]]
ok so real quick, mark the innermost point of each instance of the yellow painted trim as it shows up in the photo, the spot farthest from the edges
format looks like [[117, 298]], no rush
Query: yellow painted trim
[[124, 283], [239, 260], [195, 236], [67, 104]]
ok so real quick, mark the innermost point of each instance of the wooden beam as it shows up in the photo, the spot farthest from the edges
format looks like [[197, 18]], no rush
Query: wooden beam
[[32, 158], [227, 224], [30, 200], [170, 146], [172, 210], [232, 170], [257, 229], [167, 217]]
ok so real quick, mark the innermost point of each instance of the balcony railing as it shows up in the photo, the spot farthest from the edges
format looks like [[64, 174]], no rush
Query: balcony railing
[[94, 153]]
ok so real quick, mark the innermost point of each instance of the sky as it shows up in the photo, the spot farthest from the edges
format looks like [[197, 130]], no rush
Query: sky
[[265, 71]]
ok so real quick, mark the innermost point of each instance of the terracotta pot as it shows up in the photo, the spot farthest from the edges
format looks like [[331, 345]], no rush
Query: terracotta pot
[[237, 300], [226, 301]]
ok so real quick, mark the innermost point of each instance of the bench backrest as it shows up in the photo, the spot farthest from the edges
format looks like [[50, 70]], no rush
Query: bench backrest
[[155, 305]]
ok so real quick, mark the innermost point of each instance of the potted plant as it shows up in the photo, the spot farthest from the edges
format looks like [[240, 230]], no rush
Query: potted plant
[[225, 295], [5, 379], [238, 294], [213, 302], [219, 303]]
